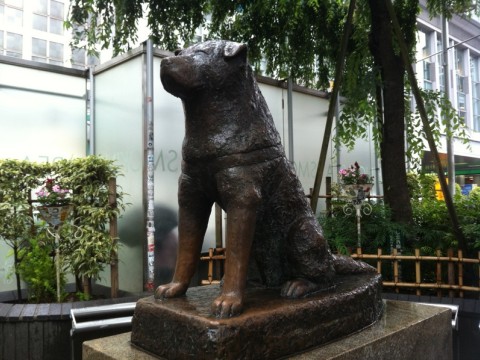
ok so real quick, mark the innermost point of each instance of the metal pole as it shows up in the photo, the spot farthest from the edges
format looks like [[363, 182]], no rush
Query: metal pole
[[290, 119], [446, 73], [149, 159], [57, 263], [91, 100], [338, 148]]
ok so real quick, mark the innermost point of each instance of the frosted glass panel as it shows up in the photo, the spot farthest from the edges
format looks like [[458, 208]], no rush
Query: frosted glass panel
[[119, 136], [37, 125], [309, 117]]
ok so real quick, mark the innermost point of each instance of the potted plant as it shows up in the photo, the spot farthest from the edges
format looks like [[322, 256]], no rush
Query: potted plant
[[354, 181], [55, 202]]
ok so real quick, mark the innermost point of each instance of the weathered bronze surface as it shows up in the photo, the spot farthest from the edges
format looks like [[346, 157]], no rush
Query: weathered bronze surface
[[232, 155], [270, 326]]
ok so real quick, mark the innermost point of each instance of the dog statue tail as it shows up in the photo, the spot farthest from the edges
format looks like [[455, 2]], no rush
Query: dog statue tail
[[345, 265]]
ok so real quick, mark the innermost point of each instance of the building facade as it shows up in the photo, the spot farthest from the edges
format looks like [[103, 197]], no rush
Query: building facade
[[34, 30], [463, 60]]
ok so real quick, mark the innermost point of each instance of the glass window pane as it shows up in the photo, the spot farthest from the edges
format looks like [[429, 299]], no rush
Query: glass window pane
[[14, 16], [41, 7], [39, 59], [39, 22], [2, 12], [39, 47], [56, 26], [78, 57], [14, 42], [56, 9], [56, 51], [16, 3], [14, 54]]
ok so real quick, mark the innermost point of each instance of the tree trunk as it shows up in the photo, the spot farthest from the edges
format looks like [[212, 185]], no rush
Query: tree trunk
[[392, 145], [16, 261], [87, 287]]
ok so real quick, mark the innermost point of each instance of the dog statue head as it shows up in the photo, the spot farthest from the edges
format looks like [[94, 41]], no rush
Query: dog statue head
[[206, 67]]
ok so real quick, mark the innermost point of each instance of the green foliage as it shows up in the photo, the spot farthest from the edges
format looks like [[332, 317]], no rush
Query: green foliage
[[88, 179], [85, 245], [38, 270], [297, 38], [449, 8], [431, 229], [422, 186], [16, 180], [443, 119], [377, 230]]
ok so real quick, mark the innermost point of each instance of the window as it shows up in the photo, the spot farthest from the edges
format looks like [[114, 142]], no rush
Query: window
[[461, 81], [13, 16], [2, 45], [48, 16], [78, 58], [441, 77], [425, 62], [55, 51], [39, 50], [39, 22], [56, 26], [47, 52], [41, 7], [16, 3], [56, 9], [475, 79], [14, 45], [2, 13]]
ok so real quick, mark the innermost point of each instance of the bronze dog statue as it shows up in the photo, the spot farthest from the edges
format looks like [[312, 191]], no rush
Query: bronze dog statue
[[232, 155]]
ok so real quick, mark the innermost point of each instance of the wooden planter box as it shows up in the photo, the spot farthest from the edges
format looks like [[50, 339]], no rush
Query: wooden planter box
[[42, 331]]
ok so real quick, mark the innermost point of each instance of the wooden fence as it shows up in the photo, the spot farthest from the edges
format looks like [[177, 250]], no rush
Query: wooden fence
[[449, 271]]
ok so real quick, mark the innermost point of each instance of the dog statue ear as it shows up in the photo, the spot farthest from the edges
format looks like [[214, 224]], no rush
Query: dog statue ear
[[233, 49]]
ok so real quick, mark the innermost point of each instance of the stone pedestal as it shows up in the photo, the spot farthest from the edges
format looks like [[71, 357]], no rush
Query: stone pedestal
[[405, 331]]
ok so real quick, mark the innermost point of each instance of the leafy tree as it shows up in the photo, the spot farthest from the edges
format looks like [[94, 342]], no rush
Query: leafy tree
[[299, 39], [86, 246], [17, 178]]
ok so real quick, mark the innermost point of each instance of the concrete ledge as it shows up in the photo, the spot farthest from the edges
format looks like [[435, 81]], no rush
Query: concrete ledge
[[405, 331]]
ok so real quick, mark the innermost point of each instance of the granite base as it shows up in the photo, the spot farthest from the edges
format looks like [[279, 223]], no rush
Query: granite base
[[405, 331]]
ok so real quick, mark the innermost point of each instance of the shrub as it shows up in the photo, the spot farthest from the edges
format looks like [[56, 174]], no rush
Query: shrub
[[86, 245], [38, 270]]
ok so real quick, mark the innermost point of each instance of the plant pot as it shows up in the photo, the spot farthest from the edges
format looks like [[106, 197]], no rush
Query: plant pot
[[358, 190], [55, 215]]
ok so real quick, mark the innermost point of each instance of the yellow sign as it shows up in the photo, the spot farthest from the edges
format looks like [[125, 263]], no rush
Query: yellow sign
[[438, 190]]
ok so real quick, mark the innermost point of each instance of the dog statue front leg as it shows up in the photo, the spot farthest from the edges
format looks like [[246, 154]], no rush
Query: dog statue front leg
[[240, 230], [193, 221]]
